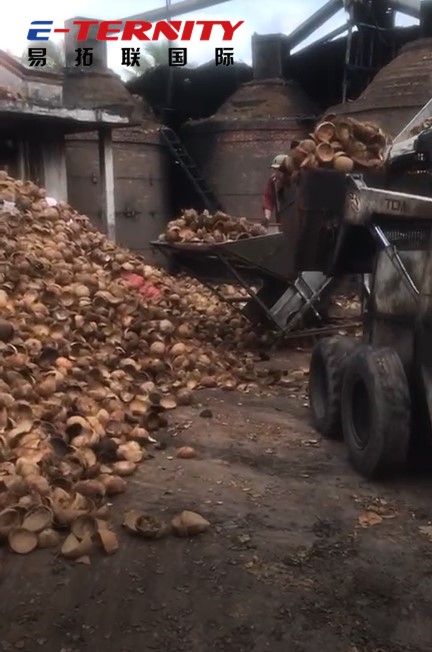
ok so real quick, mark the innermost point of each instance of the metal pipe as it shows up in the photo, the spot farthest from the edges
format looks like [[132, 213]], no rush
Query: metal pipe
[[348, 52], [327, 37], [396, 261], [307, 28], [177, 9]]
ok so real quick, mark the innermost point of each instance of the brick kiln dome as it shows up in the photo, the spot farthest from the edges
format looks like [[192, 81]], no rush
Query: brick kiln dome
[[234, 147], [273, 98], [94, 89], [398, 91]]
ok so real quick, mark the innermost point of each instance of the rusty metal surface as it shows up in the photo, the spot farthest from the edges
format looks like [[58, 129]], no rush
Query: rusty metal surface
[[261, 256], [141, 168], [398, 91]]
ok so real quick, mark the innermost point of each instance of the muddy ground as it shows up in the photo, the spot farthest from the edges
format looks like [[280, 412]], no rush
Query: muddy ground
[[302, 556]]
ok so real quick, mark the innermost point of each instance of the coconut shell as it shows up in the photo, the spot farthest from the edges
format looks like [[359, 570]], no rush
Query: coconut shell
[[130, 520], [39, 519], [73, 548], [48, 539], [10, 519], [113, 484], [309, 162], [22, 541], [325, 132], [189, 524], [168, 403], [84, 526], [186, 453], [108, 540], [124, 468], [325, 153], [343, 164], [306, 147], [343, 132]]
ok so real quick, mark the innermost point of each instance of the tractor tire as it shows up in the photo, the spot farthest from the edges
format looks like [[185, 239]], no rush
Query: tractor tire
[[326, 372], [376, 411]]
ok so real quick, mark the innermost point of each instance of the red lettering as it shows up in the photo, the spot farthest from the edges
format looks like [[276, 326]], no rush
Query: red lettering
[[207, 28], [171, 30], [105, 29], [229, 29], [187, 30], [136, 28], [162, 28], [84, 28]]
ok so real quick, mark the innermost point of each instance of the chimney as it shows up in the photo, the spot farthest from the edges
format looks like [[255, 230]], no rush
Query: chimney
[[99, 48], [426, 19], [268, 54]]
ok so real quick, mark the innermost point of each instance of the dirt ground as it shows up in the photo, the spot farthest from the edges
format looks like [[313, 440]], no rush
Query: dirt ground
[[302, 556]]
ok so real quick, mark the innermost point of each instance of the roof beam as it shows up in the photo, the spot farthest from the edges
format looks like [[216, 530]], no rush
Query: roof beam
[[324, 39], [303, 31], [175, 9]]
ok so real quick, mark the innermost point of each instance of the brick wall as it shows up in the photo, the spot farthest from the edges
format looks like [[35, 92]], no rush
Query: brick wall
[[36, 89], [142, 187], [235, 158]]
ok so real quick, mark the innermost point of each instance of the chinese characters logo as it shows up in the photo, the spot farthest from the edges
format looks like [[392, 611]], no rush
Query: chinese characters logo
[[130, 57]]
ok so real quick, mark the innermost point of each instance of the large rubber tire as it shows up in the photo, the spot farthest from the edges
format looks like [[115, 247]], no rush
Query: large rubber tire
[[376, 411], [328, 362]]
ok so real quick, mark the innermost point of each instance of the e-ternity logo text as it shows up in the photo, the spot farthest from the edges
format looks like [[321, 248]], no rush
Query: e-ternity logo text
[[117, 30], [128, 30]]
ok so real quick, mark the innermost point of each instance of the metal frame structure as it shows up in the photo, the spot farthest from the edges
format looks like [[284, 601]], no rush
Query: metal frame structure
[[299, 34], [257, 264]]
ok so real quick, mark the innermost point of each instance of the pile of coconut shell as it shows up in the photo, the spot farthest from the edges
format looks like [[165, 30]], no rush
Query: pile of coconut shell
[[339, 143], [193, 227], [89, 364]]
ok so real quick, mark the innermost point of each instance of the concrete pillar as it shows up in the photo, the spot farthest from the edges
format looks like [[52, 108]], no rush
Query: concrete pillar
[[22, 160], [426, 19], [54, 168], [99, 48], [106, 165], [268, 54]]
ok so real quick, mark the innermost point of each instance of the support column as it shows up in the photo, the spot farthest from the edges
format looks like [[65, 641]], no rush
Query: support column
[[54, 168], [426, 19], [106, 167], [22, 167]]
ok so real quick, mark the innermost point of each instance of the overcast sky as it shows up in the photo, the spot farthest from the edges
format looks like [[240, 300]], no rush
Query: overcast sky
[[261, 16]]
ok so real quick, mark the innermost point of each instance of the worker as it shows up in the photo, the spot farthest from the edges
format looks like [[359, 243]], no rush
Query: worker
[[274, 191]]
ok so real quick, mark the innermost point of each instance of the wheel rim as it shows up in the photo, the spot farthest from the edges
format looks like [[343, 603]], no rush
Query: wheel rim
[[319, 389], [360, 414]]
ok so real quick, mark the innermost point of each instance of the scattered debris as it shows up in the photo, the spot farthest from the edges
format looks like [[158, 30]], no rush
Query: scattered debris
[[367, 519], [189, 524], [427, 531], [145, 525], [186, 453]]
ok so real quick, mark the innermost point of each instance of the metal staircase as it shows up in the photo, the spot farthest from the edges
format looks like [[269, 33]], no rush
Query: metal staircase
[[183, 158]]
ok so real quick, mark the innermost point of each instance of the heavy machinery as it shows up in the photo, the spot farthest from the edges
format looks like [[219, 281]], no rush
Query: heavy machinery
[[376, 393], [274, 297]]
